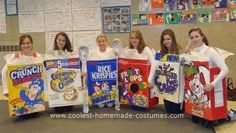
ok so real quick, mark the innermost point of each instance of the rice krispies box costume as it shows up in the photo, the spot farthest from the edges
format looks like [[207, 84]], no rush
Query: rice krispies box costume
[[133, 83], [64, 86], [210, 105], [102, 81], [25, 82]]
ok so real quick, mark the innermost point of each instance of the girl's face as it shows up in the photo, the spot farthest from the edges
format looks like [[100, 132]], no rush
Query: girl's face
[[134, 41], [167, 41], [196, 38], [102, 43], [26, 45], [61, 41]]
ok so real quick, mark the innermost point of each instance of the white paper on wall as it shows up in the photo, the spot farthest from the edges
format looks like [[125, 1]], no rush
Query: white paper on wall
[[58, 20], [30, 5], [31, 21], [2, 23], [85, 3], [57, 4], [85, 38], [86, 19], [107, 3], [2, 6]]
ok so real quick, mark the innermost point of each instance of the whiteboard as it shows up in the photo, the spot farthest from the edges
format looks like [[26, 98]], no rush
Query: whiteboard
[[31, 21], [86, 19], [58, 20]]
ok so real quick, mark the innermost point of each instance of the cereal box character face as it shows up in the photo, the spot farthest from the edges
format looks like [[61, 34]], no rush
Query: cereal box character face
[[35, 89], [196, 91]]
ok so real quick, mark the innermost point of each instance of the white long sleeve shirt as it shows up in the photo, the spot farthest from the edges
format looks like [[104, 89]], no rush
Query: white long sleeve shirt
[[150, 57], [214, 61], [96, 54]]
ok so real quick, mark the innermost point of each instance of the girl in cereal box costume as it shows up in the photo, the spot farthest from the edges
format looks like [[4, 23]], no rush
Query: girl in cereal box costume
[[206, 98]]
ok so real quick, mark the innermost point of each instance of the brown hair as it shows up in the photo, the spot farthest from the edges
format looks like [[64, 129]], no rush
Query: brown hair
[[138, 35], [175, 47], [67, 46], [201, 33], [22, 38]]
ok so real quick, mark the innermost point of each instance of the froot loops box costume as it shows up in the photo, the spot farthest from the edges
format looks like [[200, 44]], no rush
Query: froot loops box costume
[[133, 83]]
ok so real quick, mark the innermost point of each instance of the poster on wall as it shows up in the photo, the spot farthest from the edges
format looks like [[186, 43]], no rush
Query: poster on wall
[[139, 19], [144, 5], [195, 4], [102, 81], [26, 88], [170, 5], [188, 17], [232, 4], [220, 3], [232, 14], [204, 16], [220, 15], [156, 18], [157, 4], [182, 4], [208, 3], [172, 18], [116, 19], [11, 7], [64, 86]]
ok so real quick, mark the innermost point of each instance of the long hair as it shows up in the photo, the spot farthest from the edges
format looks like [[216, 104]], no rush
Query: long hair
[[67, 46], [137, 34], [175, 47], [201, 33], [22, 38]]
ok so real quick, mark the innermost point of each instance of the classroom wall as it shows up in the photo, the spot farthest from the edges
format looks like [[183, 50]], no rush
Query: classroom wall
[[221, 35]]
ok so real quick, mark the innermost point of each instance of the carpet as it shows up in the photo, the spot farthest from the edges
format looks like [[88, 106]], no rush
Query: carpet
[[43, 123]]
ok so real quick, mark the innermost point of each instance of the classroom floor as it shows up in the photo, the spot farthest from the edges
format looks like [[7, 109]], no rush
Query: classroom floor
[[43, 123]]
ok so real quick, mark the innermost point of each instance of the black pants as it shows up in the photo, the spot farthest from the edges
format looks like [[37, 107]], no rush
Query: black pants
[[173, 108], [63, 109], [209, 124]]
